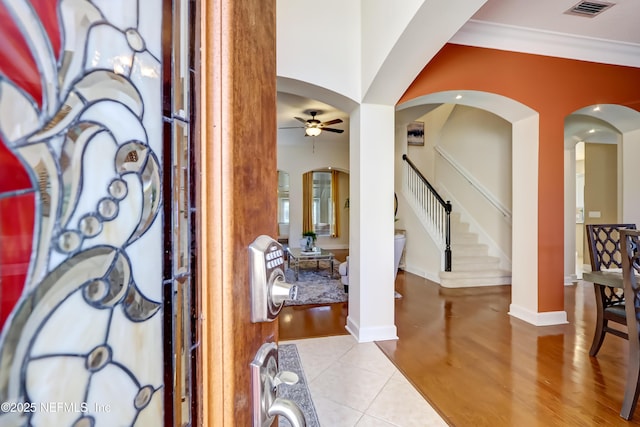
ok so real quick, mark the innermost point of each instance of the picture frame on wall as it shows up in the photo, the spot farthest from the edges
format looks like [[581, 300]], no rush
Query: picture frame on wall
[[415, 133]]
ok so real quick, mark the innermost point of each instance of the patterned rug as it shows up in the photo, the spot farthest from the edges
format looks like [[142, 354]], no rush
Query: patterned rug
[[316, 287], [289, 360]]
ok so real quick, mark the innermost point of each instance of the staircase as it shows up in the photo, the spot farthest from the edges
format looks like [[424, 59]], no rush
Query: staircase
[[471, 263]]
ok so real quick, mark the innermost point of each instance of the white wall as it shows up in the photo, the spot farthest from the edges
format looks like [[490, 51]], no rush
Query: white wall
[[525, 147], [377, 44], [480, 144], [319, 43], [630, 177], [367, 50], [424, 157], [422, 256], [415, 31], [311, 154]]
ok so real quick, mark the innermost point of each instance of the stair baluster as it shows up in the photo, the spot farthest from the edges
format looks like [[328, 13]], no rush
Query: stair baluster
[[433, 207]]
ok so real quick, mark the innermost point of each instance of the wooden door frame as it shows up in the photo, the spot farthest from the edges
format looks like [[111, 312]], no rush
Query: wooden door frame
[[236, 120]]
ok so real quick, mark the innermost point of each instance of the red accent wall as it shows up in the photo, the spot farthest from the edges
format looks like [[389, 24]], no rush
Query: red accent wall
[[555, 88]]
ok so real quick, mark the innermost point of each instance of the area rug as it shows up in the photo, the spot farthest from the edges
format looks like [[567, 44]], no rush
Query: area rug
[[317, 286], [289, 360]]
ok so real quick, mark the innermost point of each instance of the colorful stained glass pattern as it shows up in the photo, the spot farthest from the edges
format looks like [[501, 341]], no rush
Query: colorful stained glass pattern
[[80, 225]]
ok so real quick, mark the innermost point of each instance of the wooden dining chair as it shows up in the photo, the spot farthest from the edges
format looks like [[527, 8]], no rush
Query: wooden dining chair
[[630, 240], [605, 254]]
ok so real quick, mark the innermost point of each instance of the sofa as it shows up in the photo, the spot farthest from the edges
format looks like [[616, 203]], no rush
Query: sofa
[[399, 243], [343, 269]]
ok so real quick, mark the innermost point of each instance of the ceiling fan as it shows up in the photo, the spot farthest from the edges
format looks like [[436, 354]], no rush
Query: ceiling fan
[[314, 127]]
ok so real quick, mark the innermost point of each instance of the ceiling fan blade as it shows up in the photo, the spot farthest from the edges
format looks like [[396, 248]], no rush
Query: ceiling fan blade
[[301, 120], [333, 130], [331, 122], [292, 127]]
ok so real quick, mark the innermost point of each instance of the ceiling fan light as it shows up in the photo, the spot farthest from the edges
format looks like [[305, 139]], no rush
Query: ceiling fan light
[[312, 131]]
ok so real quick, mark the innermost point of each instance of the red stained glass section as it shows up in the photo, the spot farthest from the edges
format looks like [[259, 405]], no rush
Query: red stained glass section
[[16, 61], [13, 176], [17, 215], [47, 10]]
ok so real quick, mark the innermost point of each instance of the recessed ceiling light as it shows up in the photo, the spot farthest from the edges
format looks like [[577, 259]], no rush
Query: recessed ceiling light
[[596, 108], [458, 96]]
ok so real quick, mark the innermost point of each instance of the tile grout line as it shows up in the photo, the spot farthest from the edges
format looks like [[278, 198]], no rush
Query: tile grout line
[[376, 396], [387, 382]]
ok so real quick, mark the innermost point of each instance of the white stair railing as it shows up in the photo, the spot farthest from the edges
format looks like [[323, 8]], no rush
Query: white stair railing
[[433, 211]]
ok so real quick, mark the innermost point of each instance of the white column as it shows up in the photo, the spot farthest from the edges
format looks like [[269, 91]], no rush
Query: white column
[[570, 215], [630, 154], [371, 224], [524, 275]]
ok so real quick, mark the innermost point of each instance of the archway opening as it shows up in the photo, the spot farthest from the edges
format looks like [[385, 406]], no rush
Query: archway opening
[[525, 134]]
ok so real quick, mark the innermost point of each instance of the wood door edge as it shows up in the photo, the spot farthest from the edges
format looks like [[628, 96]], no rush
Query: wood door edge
[[209, 218]]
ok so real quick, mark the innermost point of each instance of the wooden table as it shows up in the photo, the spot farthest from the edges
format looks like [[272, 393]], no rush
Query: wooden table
[[614, 279], [611, 278]]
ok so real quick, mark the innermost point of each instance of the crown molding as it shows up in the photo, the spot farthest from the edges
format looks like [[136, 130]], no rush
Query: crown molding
[[548, 43]]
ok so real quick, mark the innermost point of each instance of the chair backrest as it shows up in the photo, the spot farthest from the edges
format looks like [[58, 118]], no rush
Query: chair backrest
[[604, 245], [630, 250]]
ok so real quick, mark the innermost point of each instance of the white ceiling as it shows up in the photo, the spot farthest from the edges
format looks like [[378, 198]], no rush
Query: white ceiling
[[290, 106], [618, 24]]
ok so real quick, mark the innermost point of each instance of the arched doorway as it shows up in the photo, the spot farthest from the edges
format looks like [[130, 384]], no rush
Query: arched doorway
[[617, 127], [525, 128]]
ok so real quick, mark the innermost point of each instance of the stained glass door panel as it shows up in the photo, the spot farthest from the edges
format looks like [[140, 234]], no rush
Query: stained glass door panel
[[82, 153]]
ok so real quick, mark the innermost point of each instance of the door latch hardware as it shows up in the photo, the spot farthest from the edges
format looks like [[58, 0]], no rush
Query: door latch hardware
[[265, 378]]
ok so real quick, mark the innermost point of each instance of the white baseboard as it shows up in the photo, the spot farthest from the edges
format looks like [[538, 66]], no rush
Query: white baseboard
[[433, 277], [538, 319], [570, 279], [378, 333]]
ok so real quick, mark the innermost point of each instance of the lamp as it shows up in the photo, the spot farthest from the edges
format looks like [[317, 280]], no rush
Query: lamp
[[312, 131]]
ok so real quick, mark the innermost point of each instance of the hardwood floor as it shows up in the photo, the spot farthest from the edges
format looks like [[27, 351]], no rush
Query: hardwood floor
[[478, 366], [305, 321], [297, 322]]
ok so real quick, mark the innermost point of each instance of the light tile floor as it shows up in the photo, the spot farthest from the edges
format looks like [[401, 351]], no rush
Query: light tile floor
[[355, 385]]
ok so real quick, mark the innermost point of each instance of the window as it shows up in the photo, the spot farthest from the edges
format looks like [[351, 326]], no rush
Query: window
[[283, 205], [283, 197], [322, 204], [320, 195]]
